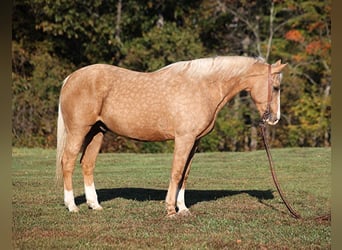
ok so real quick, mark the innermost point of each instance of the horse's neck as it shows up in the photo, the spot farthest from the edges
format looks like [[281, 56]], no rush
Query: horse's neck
[[231, 77], [231, 86]]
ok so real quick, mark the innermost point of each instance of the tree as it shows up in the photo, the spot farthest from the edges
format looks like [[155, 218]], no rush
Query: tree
[[53, 38], [298, 32], [162, 46], [307, 46], [35, 98]]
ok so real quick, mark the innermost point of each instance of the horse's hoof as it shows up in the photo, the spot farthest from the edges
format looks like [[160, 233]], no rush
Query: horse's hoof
[[172, 215], [98, 208], [184, 213], [95, 206], [73, 209], [181, 213]]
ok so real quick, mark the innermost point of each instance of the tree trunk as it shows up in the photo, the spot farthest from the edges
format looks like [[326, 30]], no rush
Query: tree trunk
[[118, 21]]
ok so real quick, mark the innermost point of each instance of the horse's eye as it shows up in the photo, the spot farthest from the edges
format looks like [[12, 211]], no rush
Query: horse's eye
[[276, 89]]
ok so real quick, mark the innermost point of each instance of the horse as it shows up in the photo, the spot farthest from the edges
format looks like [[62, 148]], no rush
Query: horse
[[178, 102]]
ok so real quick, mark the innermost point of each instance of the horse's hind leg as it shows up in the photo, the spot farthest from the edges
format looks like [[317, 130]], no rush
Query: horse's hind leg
[[72, 148], [92, 146]]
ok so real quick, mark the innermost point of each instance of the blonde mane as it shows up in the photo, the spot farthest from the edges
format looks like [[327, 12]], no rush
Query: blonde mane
[[232, 65]]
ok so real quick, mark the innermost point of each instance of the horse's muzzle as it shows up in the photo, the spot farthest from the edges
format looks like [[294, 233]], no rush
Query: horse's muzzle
[[272, 122], [270, 119]]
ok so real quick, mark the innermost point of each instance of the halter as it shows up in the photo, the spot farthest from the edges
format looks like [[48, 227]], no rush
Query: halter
[[267, 112]]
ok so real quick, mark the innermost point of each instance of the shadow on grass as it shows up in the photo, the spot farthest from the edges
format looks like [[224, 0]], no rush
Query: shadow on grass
[[191, 196]]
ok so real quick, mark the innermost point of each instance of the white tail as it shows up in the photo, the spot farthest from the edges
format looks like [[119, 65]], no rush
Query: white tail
[[61, 136]]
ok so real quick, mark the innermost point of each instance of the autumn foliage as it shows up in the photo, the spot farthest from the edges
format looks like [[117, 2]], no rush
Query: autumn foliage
[[51, 39], [294, 35]]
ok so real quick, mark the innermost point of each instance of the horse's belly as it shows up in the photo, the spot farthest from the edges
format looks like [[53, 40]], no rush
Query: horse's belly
[[143, 134], [141, 127]]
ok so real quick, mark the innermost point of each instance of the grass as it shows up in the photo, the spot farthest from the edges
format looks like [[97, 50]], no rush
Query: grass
[[231, 196]]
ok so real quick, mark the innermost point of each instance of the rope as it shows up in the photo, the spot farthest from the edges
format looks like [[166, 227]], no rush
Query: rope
[[265, 117], [293, 212], [274, 176]]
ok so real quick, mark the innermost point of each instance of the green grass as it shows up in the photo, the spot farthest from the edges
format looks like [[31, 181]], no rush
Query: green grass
[[231, 196]]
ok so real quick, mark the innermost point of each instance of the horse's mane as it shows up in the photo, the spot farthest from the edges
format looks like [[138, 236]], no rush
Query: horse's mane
[[234, 65]]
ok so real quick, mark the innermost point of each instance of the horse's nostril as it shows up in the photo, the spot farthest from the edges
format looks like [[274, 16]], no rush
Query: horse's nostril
[[272, 122]]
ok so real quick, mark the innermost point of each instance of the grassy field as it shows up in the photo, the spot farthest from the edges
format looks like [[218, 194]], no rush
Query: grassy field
[[231, 196]]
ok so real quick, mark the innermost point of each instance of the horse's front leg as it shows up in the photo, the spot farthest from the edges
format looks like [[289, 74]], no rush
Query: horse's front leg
[[182, 209], [183, 150]]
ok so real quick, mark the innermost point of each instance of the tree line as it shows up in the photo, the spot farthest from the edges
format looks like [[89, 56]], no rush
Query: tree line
[[51, 39]]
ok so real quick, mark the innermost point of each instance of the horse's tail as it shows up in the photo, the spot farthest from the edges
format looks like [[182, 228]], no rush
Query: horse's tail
[[61, 138]]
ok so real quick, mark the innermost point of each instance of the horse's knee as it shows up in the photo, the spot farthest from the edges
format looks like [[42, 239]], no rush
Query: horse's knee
[[67, 162], [67, 169], [87, 169], [88, 173], [176, 176], [69, 158]]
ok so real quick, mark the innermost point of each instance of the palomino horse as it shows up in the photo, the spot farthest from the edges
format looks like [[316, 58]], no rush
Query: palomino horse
[[178, 102]]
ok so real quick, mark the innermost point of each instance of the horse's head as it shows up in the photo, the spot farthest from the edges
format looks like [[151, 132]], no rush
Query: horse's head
[[265, 92]]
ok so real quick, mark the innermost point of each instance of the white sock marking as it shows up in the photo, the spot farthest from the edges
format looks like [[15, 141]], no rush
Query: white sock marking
[[69, 200], [91, 196], [181, 200]]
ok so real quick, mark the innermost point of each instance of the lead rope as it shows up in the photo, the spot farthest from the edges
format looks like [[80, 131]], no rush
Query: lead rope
[[293, 212]]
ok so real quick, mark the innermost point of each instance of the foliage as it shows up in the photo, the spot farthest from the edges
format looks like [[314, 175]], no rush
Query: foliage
[[53, 38], [162, 46], [307, 45], [32, 123]]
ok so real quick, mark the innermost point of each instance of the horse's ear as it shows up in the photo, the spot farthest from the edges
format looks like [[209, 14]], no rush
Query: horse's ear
[[277, 62], [278, 67]]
